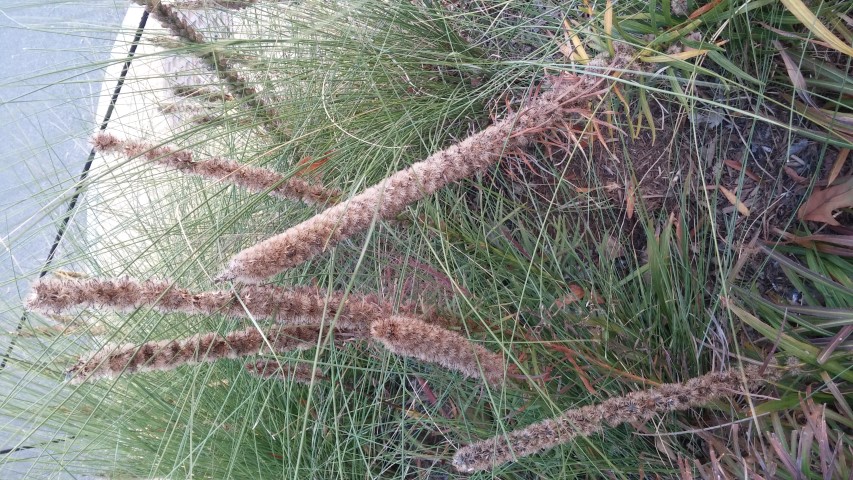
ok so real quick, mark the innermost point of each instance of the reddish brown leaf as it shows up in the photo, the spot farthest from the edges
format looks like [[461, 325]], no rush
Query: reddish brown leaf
[[732, 198], [821, 203], [738, 166], [307, 165], [704, 9], [809, 240], [596, 298], [570, 356], [575, 294], [795, 176], [841, 245]]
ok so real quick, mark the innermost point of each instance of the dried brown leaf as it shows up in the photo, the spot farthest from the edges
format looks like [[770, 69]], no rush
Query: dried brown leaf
[[732, 198], [795, 176], [595, 298], [704, 9], [576, 294], [821, 203], [809, 240], [838, 165], [794, 74], [738, 166], [841, 245], [307, 166]]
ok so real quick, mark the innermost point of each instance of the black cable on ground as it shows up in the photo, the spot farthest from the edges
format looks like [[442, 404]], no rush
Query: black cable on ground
[[28, 447]]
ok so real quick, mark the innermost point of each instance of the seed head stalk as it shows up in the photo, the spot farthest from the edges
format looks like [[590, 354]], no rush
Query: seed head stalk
[[410, 337], [292, 307], [393, 194], [162, 355], [217, 59], [634, 407], [253, 179]]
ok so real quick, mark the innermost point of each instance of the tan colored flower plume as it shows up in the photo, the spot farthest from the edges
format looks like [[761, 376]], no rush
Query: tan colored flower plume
[[410, 337], [219, 4], [294, 306], [254, 179], [112, 361], [392, 195], [636, 406]]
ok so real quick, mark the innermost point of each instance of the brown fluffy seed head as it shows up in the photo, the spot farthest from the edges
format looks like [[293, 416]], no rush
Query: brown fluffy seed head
[[216, 58], [414, 338], [169, 17], [253, 179], [392, 195], [112, 361], [220, 4], [637, 406], [289, 306], [56, 295]]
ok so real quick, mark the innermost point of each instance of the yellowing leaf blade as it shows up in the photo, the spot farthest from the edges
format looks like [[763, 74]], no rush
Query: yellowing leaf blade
[[608, 25], [577, 52], [805, 15], [732, 198], [685, 55]]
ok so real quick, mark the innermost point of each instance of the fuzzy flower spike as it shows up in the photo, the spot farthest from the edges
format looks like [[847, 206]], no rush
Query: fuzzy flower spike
[[253, 179], [637, 406], [112, 361], [293, 306], [410, 337], [392, 195], [219, 60]]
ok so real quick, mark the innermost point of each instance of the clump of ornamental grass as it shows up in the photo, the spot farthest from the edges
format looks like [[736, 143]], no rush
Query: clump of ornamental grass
[[640, 406], [253, 179], [351, 437]]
